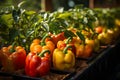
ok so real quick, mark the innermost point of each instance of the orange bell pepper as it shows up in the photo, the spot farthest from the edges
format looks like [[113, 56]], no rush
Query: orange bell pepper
[[62, 44], [56, 38], [38, 45], [83, 50]]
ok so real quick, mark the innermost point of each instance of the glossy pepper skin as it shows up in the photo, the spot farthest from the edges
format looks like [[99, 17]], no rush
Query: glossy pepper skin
[[13, 58], [38, 45], [63, 59], [94, 43], [38, 64], [56, 38], [83, 51], [35, 46], [62, 44]]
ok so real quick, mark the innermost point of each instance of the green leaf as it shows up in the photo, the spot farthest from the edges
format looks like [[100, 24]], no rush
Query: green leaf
[[29, 33], [15, 15], [63, 22], [69, 34], [29, 13], [45, 16], [45, 26], [6, 19], [13, 33], [55, 27], [21, 3], [80, 35], [64, 15]]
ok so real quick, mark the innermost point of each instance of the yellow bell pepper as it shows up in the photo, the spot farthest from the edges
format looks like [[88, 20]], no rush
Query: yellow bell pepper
[[63, 59]]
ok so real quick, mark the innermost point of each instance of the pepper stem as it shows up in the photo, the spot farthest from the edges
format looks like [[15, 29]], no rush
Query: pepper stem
[[68, 40], [43, 40], [43, 52], [81, 36], [66, 48], [12, 49], [93, 35]]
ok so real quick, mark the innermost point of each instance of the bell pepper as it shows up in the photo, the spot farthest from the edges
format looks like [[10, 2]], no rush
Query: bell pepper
[[98, 29], [76, 40], [94, 43], [86, 34], [38, 45], [38, 64], [56, 38], [13, 58], [83, 50], [107, 36], [35, 46], [62, 44], [63, 59]]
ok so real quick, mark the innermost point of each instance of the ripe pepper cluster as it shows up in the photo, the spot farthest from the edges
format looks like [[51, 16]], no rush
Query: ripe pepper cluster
[[63, 51], [60, 53], [54, 50]]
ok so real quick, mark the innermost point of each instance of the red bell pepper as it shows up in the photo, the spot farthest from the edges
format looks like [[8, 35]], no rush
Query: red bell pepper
[[57, 37], [12, 58], [38, 65]]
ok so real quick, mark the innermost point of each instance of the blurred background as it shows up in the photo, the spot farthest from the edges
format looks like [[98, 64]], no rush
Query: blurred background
[[52, 5]]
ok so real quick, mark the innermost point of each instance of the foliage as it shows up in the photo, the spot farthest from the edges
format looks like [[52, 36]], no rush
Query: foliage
[[22, 26]]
